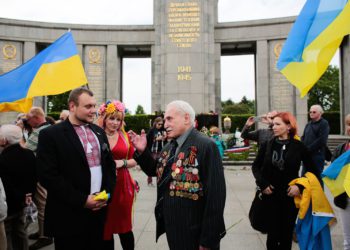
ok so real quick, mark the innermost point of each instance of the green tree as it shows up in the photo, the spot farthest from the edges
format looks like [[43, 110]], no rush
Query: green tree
[[139, 110], [249, 103], [228, 102], [326, 91], [244, 100], [237, 108], [245, 106], [58, 102]]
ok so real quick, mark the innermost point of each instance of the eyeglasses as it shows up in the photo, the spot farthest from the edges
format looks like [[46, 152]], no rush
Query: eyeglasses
[[313, 112]]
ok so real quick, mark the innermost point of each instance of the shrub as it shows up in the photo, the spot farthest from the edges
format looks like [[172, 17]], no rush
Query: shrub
[[243, 156]]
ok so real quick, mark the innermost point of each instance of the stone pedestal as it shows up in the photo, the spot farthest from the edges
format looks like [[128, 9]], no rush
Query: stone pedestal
[[184, 53]]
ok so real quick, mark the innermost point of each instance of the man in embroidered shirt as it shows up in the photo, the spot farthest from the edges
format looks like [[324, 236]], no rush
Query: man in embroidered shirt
[[74, 163], [191, 186]]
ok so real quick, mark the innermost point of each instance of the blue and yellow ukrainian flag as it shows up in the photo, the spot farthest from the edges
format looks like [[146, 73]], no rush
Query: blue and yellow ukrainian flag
[[54, 70], [337, 175], [313, 41], [315, 215]]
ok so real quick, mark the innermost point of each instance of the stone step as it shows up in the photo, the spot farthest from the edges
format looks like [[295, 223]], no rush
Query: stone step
[[240, 163], [250, 158], [333, 142]]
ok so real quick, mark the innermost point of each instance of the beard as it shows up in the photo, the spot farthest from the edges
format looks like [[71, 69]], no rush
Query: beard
[[83, 120]]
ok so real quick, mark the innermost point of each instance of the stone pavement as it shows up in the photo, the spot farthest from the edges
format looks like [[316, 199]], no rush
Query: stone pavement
[[240, 193]]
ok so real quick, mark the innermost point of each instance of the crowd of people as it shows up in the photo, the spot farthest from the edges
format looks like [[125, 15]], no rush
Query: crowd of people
[[76, 171]]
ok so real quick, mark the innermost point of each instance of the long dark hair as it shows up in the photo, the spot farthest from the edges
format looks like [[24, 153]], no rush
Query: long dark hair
[[158, 119]]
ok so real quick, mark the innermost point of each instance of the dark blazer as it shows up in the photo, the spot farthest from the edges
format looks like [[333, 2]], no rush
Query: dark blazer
[[64, 171], [315, 136], [190, 217], [296, 152], [17, 171]]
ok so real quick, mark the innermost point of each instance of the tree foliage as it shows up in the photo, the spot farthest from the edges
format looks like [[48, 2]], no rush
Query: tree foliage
[[58, 102], [326, 91], [245, 106], [139, 110]]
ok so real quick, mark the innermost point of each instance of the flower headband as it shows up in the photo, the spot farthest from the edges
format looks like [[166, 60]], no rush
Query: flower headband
[[110, 107]]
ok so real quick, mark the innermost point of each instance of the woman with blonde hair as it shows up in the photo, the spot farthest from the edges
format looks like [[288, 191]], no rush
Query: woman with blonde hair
[[119, 211]]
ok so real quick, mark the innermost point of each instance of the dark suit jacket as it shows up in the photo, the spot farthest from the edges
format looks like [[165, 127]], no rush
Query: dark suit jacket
[[64, 171], [17, 171], [315, 136], [187, 221]]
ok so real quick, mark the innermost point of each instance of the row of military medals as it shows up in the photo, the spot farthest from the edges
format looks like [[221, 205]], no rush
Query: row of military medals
[[185, 175]]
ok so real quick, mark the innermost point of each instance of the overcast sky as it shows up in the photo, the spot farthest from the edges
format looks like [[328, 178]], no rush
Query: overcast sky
[[137, 72]]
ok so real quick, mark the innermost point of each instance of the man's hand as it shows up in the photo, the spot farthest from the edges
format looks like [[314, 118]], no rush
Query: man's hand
[[203, 248], [139, 141], [267, 118], [28, 199], [250, 121], [94, 205], [268, 190], [293, 191]]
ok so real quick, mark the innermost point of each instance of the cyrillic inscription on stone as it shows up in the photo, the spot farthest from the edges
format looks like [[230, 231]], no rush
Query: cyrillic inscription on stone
[[184, 20], [282, 92], [95, 70]]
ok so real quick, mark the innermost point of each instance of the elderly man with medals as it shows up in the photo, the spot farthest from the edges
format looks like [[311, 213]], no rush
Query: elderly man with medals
[[191, 189]]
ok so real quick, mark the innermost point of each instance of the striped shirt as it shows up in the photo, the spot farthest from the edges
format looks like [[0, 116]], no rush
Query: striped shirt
[[32, 142]]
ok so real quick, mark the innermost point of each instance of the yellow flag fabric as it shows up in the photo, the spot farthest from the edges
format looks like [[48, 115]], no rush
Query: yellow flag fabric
[[337, 186], [54, 70], [313, 41]]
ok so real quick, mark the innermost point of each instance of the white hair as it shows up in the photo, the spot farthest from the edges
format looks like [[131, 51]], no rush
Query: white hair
[[20, 116], [12, 133], [64, 112], [318, 107], [185, 108]]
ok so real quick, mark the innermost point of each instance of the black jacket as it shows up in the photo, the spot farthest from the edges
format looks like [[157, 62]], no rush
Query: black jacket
[[17, 171], [260, 135], [187, 221], [296, 152], [316, 135], [64, 171]]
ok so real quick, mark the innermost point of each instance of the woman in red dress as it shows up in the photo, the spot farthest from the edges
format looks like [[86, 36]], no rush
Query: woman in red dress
[[119, 212]]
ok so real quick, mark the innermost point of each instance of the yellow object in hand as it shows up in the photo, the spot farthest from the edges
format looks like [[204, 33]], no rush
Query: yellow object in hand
[[102, 196]]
